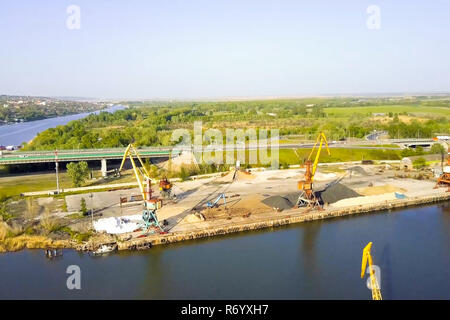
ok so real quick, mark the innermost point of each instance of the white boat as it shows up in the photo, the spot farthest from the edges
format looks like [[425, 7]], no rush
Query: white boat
[[105, 248]]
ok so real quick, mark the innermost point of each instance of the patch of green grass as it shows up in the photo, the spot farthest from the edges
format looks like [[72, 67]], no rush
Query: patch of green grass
[[339, 155], [77, 236], [5, 215], [30, 231], [297, 156], [77, 215], [14, 185], [17, 184], [82, 237], [64, 206], [347, 112]]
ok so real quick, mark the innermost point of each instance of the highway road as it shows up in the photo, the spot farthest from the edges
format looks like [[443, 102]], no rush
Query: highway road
[[17, 157]]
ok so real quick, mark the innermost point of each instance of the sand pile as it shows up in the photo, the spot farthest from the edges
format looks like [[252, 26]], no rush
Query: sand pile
[[336, 192], [186, 158], [192, 218], [227, 178], [243, 176], [234, 207], [253, 203], [236, 176], [224, 212], [387, 188], [376, 199]]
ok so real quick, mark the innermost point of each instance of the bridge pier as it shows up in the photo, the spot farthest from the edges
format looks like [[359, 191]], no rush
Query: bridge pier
[[104, 168]]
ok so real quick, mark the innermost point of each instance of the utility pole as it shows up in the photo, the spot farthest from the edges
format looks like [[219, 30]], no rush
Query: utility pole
[[57, 172]]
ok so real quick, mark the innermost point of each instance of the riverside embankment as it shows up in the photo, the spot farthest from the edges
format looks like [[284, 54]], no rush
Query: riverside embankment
[[285, 218]]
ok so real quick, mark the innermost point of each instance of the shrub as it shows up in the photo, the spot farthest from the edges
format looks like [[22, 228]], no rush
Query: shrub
[[78, 172], [284, 165], [83, 207], [49, 223], [4, 214], [7, 231], [184, 174], [420, 163]]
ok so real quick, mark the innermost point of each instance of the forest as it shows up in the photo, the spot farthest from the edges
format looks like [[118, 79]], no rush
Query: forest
[[152, 123]]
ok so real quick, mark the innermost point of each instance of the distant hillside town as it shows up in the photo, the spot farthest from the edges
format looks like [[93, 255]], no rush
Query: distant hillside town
[[14, 109]]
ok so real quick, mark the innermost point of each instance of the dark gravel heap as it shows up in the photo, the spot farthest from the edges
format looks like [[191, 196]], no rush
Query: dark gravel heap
[[336, 192], [330, 194], [284, 202]]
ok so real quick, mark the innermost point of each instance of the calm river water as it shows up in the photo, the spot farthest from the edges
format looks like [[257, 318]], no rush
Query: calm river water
[[313, 260], [16, 134]]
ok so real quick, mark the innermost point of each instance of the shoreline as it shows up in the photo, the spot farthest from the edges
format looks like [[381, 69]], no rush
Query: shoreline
[[46, 118], [114, 108], [287, 217]]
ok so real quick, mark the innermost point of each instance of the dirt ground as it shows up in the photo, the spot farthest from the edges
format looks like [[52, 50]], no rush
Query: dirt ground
[[387, 188]]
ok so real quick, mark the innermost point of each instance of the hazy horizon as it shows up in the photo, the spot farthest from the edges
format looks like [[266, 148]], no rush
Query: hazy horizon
[[203, 50], [247, 98]]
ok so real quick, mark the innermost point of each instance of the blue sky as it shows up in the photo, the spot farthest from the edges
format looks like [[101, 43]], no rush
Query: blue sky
[[223, 48]]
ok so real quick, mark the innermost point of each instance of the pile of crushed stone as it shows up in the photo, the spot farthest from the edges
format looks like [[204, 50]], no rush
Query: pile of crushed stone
[[331, 194], [336, 192], [284, 202]]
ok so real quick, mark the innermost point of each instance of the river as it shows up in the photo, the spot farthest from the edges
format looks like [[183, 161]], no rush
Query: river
[[17, 133], [312, 260]]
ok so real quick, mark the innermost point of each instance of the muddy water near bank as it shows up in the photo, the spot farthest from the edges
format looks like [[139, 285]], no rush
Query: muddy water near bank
[[311, 260]]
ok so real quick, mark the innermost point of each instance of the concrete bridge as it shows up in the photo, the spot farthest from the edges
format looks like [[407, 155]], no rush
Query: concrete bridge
[[9, 158], [77, 155], [413, 143]]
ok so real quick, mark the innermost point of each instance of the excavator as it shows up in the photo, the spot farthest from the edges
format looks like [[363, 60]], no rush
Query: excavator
[[144, 181], [307, 197], [165, 189], [367, 259]]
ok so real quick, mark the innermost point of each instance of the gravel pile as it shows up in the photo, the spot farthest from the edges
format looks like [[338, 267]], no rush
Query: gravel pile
[[284, 202], [336, 192], [331, 194]]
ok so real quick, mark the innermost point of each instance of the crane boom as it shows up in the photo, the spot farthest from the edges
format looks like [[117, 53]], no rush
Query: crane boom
[[321, 139], [367, 259], [131, 151], [307, 197], [142, 176]]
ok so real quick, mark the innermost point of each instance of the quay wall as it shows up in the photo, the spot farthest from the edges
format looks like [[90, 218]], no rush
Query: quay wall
[[289, 217]]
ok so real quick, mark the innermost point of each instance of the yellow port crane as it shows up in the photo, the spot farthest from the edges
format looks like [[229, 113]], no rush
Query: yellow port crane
[[307, 197], [374, 285], [143, 177], [321, 139]]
